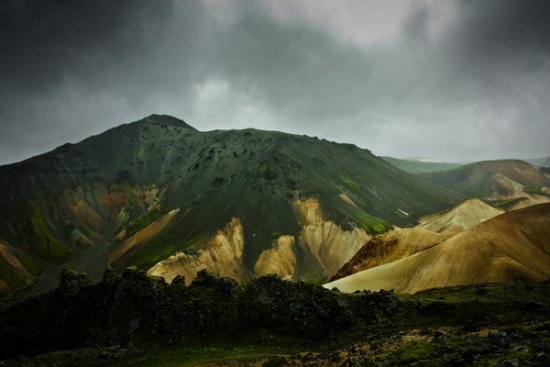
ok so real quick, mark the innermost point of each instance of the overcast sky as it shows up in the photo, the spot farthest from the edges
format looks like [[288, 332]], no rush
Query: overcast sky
[[449, 80]]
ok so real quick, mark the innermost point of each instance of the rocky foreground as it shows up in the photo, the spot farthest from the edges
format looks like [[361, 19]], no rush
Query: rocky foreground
[[131, 319]]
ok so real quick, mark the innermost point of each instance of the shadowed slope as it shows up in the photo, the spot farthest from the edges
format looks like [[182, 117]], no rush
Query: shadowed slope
[[157, 189], [481, 179]]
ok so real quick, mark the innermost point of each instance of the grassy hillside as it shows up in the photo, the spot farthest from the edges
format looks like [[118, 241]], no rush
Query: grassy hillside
[[415, 166], [479, 180]]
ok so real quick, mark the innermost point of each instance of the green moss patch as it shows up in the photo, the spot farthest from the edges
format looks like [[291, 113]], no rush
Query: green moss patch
[[142, 222], [372, 224], [11, 276], [44, 243]]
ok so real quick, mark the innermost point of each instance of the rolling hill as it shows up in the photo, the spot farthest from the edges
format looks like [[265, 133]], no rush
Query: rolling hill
[[432, 230], [509, 246], [160, 195], [509, 184], [419, 166]]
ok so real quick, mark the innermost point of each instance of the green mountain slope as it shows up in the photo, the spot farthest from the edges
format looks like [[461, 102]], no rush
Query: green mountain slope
[[491, 178], [237, 202], [416, 166]]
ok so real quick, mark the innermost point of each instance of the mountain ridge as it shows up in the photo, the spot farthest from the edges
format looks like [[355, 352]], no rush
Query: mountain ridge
[[77, 204]]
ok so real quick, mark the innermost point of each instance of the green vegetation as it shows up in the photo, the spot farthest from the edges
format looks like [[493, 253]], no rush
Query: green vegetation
[[133, 319], [503, 204], [30, 265], [371, 224], [412, 166], [142, 222], [192, 356], [264, 166], [44, 243], [211, 177], [478, 179], [350, 183], [533, 189], [11, 276]]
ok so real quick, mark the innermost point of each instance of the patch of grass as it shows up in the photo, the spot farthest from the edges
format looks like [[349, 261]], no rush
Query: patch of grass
[[142, 222], [503, 203], [44, 242], [537, 190], [30, 265], [264, 166], [372, 224], [350, 183], [11, 276], [191, 356]]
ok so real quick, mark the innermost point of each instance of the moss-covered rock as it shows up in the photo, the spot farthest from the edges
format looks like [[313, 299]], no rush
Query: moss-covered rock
[[299, 309]]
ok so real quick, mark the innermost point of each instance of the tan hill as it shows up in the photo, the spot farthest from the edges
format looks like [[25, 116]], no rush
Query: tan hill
[[432, 230], [512, 195], [391, 246], [511, 245], [462, 216]]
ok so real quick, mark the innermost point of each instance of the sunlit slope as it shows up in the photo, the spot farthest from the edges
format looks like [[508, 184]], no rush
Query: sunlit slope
[[512, 245], [391, 246], [462, 216], [418, 166], [432, 230]]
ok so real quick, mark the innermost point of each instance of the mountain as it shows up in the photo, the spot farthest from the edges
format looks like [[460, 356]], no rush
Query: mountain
[[509, 246], [432, 230], [412, 165], [460, 217], [540, 162], [510, 184], [160, 195]]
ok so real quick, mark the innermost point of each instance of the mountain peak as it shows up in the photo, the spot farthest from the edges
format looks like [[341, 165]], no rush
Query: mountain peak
[[167, 120]]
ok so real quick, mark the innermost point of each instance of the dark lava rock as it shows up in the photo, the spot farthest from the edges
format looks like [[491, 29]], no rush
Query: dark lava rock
[[298, 309], [509, 363], [70, 284]]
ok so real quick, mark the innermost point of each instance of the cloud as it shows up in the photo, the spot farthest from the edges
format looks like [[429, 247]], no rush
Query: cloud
[[453, 80]]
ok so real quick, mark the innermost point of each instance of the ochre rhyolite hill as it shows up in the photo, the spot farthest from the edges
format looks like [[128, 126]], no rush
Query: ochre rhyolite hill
[[462, 216], [512, 245], [432, 230]]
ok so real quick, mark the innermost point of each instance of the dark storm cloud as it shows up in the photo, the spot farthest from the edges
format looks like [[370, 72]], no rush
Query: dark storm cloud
[[472, 85], [44, 42], [56, 54], [492, 31]]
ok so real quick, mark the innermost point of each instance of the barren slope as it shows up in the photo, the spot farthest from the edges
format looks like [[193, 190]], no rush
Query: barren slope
[[462, 216], [432, 230], [515, 244]]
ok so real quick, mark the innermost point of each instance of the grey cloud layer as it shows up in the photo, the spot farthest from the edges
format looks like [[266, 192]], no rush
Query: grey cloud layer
[[475, 88]]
